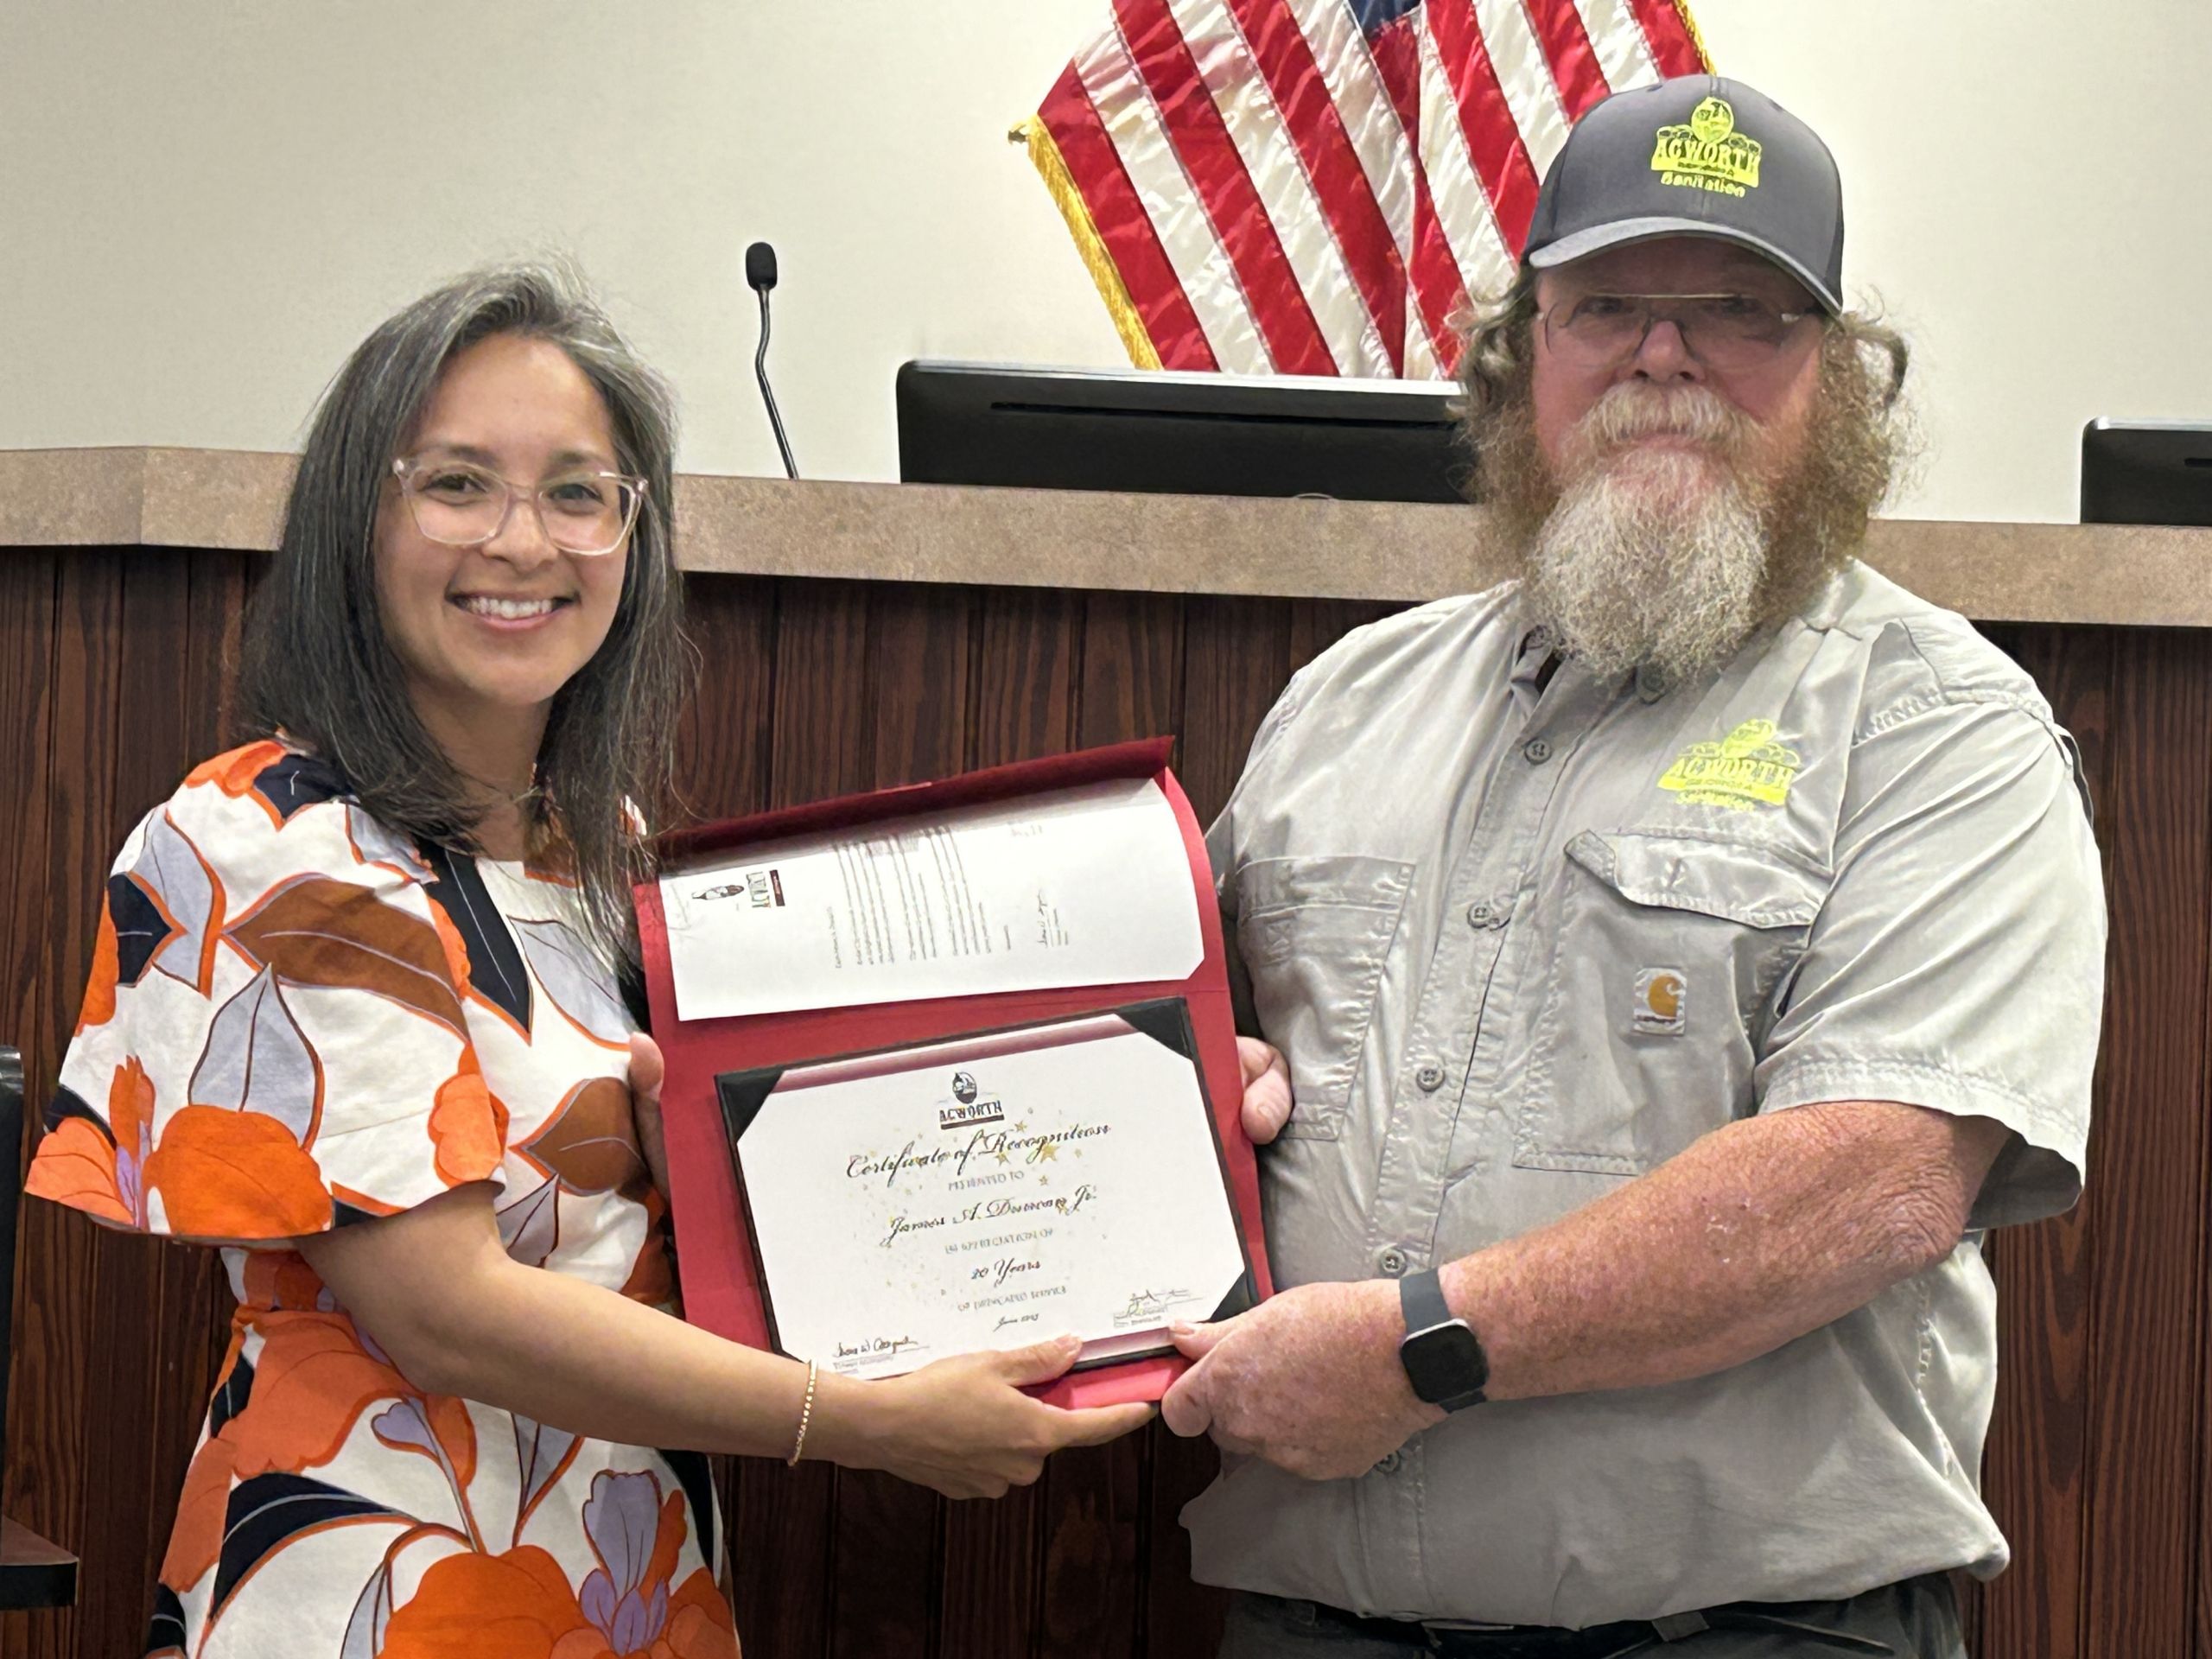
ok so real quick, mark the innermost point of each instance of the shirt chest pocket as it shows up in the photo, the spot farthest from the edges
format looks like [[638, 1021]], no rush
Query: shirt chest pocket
[[1667, 952], [1314, 934]]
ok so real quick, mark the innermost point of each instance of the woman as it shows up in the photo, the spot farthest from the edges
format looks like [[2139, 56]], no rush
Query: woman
[[352, 1017]]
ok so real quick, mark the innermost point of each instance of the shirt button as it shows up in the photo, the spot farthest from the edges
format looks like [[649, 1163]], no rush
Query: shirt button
[[1392, 1261], [1535, 751], [1389, 1463], [1430, 1077], [1486, 915]]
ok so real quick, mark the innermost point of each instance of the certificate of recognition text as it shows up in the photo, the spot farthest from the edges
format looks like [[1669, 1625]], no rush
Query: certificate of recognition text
[[988, 1191]]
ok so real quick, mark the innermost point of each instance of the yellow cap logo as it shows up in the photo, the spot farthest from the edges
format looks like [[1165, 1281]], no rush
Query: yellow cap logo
[[1708, 153], [1745, 770], [1713, 121]]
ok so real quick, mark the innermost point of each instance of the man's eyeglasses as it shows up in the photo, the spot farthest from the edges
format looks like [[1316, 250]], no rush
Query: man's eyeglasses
[[1726, 332], [457, 504]]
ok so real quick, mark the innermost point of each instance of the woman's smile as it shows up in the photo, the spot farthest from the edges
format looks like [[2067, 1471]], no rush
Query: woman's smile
[[510, 615]]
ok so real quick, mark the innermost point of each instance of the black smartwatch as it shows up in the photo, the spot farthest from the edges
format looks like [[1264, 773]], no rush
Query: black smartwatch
[[1443, 1357]]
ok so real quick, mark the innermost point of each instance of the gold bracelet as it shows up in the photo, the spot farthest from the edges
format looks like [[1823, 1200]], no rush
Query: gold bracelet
[[806, 1416]]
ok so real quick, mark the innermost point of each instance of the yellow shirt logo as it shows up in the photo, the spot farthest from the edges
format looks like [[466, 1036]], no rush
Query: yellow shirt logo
[[1745, 770], [1708, 154]]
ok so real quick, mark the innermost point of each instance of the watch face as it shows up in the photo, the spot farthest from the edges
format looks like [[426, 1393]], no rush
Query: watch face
[[1444, 1362]]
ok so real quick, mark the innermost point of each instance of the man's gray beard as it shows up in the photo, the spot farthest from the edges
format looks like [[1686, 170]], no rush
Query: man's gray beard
[[1651, 559], [1673, 557]]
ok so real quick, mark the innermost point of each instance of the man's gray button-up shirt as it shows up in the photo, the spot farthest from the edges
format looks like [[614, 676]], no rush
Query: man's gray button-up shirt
[[1854, 864]]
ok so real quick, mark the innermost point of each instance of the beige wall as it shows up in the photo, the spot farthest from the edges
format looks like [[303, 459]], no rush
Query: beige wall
[[202, 205]]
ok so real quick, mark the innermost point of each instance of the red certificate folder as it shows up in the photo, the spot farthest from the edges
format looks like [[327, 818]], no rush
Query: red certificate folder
[[721, 1285]]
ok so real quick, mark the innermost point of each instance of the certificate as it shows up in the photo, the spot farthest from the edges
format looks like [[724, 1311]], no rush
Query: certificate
[[1082, 885], [987, 1192]]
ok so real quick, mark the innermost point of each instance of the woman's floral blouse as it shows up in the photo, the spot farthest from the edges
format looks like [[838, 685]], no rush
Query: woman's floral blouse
[[298, 1020]]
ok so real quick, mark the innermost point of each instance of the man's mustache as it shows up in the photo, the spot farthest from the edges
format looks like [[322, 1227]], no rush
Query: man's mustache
[[1632, 411]]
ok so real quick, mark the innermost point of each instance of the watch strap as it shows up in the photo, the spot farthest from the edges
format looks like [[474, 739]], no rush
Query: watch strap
[[1420, 1296]]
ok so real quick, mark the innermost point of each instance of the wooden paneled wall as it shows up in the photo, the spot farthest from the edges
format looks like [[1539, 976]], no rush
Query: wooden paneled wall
[[114, 680]]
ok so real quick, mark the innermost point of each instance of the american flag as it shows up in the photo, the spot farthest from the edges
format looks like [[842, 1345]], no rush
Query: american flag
[[1315, 187]]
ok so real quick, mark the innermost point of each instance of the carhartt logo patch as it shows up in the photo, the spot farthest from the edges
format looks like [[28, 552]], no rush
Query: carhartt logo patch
[[1662, 1006], [1708, 154], [1746, 770]]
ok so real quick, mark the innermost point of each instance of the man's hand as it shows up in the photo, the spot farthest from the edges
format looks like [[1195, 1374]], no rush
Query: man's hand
[[1267, 1090], [1309, 1381], [647, 1069]]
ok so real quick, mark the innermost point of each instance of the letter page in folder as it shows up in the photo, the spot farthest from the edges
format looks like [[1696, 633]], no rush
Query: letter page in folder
[[1086, 885]]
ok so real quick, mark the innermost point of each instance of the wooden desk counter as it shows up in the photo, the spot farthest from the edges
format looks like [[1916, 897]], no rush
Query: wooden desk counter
[[2127, 575]]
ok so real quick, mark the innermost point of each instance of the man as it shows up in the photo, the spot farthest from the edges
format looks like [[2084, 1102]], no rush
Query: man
[[1682, 953]]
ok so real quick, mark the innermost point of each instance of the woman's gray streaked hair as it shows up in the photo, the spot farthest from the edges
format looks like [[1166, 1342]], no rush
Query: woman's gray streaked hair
[[316, 663]]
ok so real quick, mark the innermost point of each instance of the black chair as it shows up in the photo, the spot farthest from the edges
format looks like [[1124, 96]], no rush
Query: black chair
[[33, 1573]]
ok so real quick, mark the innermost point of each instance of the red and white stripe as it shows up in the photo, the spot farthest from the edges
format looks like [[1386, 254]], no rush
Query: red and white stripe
[[1280, 193]]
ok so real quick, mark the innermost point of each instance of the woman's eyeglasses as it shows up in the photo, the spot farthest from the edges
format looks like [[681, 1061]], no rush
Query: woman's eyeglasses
[[458, 504]]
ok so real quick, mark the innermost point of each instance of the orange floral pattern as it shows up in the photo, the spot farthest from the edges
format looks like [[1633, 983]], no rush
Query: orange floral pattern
[[281, 1035], [469, 1126], [520, 1604], [98, 1006]]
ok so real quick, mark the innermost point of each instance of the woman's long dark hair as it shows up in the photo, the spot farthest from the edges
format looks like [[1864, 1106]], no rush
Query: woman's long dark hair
[[316, 664]]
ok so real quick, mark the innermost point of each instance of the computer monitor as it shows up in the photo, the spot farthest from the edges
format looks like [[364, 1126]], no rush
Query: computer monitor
[[2146, 472], [1178, 434]]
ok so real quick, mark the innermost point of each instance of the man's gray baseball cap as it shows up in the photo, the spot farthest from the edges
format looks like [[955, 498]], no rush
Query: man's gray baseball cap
[[1697, 156]]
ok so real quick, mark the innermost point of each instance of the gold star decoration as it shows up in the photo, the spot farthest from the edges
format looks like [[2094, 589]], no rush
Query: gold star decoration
[[1047, 1150], [1002, 1157], [1021, 1128]]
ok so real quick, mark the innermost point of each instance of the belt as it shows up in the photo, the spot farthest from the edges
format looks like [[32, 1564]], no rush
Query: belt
[[1614, 1641]]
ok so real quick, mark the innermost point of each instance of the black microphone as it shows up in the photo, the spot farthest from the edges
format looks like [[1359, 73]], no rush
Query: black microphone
[[760, 277]]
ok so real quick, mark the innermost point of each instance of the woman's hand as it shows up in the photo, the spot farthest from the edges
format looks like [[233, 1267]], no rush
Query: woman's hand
[[962, 1426], [1267, 1090], [647, 1069]]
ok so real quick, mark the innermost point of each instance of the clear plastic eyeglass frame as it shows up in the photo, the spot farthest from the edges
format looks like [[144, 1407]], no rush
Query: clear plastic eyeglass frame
[[412, 471]]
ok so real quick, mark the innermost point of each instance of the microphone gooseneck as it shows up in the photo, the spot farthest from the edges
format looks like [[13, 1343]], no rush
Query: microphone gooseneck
[[760, 277]]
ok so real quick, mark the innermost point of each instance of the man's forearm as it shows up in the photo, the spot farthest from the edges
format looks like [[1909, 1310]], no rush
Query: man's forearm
[[1753, 1235]]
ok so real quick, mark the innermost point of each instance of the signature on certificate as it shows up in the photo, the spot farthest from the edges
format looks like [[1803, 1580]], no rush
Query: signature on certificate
[[875, 1347], [1143, 1304]]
